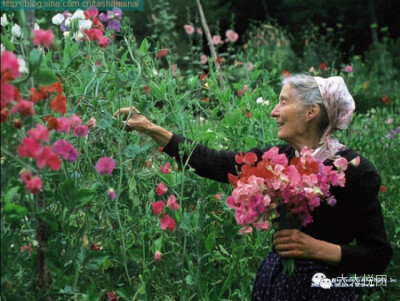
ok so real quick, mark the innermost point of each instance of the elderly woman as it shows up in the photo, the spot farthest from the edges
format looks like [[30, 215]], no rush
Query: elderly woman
[[309, 111]]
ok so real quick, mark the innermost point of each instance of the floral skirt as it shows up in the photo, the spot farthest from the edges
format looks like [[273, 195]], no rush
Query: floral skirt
[[272, 284]]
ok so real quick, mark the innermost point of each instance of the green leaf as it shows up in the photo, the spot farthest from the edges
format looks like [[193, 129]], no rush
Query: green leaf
[[14, 212], [82, 196], [50, 220], [7, 44], [210, 241], [157, 244], [10, 194], [233, 118], [103, 124], [35, 56], [144, 46], [94, 260], [133, 150], [46, 77]]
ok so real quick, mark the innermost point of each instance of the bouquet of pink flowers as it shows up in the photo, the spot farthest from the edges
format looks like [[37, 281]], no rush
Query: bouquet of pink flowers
[[287, 193]]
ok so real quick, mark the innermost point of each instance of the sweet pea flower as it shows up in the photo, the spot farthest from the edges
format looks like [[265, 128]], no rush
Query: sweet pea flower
[[348, 69], [311, 69], [9, 62], [216, 39], [341, 164], [356, 161], [199, 30], [160, 189], [16, 30], [157, 256], [203, 59], [58, 19], [22, 65], [34, 185], [24, 107], [245, 230], [81, 131], [389, 121], [64, 125], [42, 37], [39, 133], [157, 207], [113, 18], [91, 123], [171, 203], [111, 194], [163, 52], [165, 169], [231, 35], [189, 29], [4, 20], [105, 165], [250, 66], [25, 176], [65, 150], [112, 296], [167, 222]]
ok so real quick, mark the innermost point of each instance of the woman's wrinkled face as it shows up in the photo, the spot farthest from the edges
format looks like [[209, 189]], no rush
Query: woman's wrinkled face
[[289, 115]]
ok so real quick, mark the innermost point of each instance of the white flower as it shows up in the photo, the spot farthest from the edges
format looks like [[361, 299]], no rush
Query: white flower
[[85, 24], [155, 71], [58, 19], [78, 36], [16, 30], [4, 21], [22, 65], [259, 100], [78, 15], [36, 26], [66, 34], [67, 22], [266, 103]]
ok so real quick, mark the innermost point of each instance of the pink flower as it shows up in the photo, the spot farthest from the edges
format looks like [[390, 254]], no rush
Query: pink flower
[[174, 67], [81, 131], [356, 161], [160, 189], [167, 223], [25, 176], [7, 94], [105, 165], [231, 35], [245, 230], [311, 69], [157, 256], [94, 34], [65, 150], [163, 52], [216, 39], [24, 107], [47, 157], [42, 37], [261, 225], [199, 30], [165, 169], [203, 59], [39, 133], [91, 123], [103, 42], [389, 121], [111, 296], [29, 147], [157, 207], [341, 164], [171, 203], [91, 12], [74, 120], [111, 194], [348, 69], [250, 66], [34, 185], [64, 125], [9, 62], [189, 29]]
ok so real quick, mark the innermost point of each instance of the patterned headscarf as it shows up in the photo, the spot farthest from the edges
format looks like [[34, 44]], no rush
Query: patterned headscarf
[[339, 105]]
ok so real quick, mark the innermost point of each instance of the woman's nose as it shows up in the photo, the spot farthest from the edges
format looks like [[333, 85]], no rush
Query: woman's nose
[[274, 112]]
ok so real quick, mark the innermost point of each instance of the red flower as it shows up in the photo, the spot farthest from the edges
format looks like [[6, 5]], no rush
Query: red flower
[[206, 99], [111, 296], [54, 88], [163, 52], [96, 247], [385, 99], [217, 196], [249, 158], [59, 104], [94, 34], [28, 248], [202, 76], [4, 115], [157, 256], [165, 169], [285, 73], [160, 149], [167, 223], [24, 107], [52, 123], [103, 42], [322, 66], [218, 60], [42, 37], [157, 207], [160, 189], [146, 89], [240, 93], [34, 185], [25, 176], [383, 188], [248, 114]]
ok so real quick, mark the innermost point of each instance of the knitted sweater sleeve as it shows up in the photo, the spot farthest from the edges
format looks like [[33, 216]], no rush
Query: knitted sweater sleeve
[[372, 252]]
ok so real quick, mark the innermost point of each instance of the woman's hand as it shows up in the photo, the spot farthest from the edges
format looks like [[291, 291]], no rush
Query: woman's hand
[[134, 120], [294, 243]]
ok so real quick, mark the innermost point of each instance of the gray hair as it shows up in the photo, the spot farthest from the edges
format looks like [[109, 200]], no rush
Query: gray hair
[[306, 91]]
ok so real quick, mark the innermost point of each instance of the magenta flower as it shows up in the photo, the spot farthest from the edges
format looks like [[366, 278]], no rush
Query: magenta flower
[[111, 194], [81, 131], [157, 207], [160, 189], [165, 169], [105, 165], [75, 121], [64, 125], [42, 37], [157, 256], [348, 69], [65, 150], [9, 62], [167, 223], [39, 133], [171, 203]]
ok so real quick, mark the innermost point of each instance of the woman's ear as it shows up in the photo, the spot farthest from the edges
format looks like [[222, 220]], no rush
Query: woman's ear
[[312, 112]]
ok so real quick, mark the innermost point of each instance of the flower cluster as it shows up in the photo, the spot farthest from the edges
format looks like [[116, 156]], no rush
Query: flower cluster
[[58, 102], [299, 187]]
